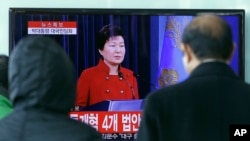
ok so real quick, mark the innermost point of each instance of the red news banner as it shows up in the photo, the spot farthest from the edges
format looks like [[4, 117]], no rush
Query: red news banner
[[52, 27], [110, 122]]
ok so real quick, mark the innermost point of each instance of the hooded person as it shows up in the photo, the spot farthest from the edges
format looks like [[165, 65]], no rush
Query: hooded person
[[42, 86]]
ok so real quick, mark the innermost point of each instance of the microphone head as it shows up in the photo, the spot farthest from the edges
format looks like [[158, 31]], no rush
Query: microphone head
[[120, 74]]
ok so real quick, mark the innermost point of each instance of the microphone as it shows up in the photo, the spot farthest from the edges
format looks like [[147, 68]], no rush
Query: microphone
[[120, 74], [140, 78]]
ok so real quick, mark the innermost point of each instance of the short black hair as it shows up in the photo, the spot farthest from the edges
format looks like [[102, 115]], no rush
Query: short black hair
[[4, 60], [105, 33], [209, 39]]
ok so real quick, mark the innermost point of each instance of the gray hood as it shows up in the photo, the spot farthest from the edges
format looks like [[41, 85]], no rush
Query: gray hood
[[41, 75]]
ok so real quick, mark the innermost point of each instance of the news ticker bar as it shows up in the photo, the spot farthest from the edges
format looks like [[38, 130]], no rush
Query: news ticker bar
[[123, 125], [110, 122]]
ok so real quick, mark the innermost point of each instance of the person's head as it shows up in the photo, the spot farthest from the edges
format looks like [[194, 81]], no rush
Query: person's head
[[41, 75], [207, 36], [4, 71], [111, 44]]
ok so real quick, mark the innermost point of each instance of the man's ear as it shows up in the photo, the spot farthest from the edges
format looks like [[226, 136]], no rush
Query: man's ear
[[187, 52]]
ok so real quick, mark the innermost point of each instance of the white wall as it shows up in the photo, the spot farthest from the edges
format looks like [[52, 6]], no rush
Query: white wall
[[193, 4]]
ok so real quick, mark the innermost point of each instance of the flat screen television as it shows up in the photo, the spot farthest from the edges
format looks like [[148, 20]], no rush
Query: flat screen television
[[152, 37]]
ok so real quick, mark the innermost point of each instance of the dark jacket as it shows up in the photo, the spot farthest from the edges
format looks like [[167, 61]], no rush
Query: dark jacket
[[42, 89], [202, 108]]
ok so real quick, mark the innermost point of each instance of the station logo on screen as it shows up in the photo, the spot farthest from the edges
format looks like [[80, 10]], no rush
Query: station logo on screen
[[52, 27]]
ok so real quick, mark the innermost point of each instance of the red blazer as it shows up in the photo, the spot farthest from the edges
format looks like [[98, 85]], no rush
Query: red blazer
[[96, 85]]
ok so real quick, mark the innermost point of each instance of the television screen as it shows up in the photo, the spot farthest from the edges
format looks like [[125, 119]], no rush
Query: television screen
[[152, 38]]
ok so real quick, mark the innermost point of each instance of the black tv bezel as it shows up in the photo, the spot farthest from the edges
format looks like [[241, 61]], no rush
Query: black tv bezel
[[136, 11]]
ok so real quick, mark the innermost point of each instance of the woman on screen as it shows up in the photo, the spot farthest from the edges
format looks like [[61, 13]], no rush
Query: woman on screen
[[108, 80]]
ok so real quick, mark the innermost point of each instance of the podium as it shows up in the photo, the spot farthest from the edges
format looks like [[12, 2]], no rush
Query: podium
[[116, 105]]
